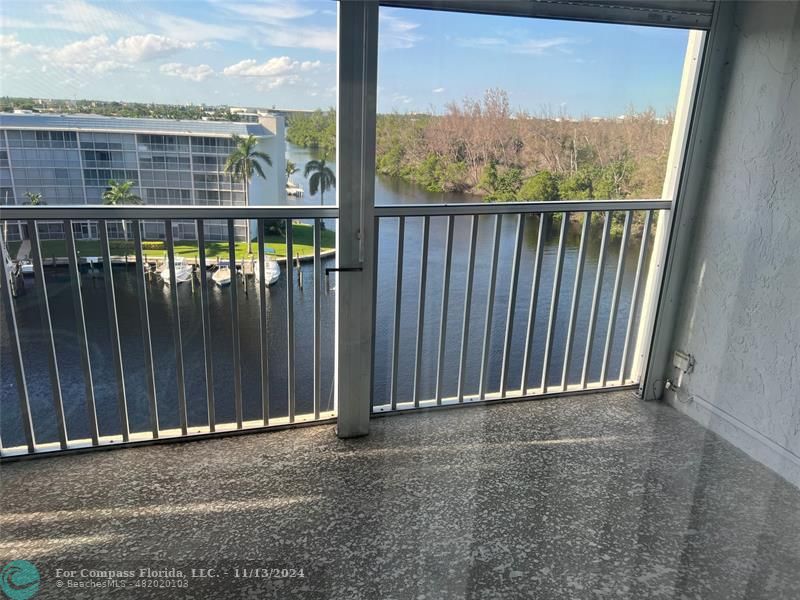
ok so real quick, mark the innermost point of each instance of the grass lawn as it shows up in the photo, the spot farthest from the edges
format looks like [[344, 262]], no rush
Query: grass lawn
[[302, 243]]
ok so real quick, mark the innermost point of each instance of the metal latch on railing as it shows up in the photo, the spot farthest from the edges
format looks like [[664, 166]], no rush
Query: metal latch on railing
[[340, 269]]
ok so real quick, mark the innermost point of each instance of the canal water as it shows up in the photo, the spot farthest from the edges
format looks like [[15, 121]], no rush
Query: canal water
[[388, 191]]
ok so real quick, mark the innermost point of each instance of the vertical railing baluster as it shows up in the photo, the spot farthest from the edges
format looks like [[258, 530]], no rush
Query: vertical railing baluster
[[512, 301], [144, 322], [47, 327], [462, 362], [290, 317], [487, 328], [634, 295], [237, 348], [317, 317], [16, 351], [398, 298], [448, 260], [80, 325], [205, 314], [598, 285], [554, 298], [612, 318], [375, 261], [421, 310], [576, 294], [262, 324], [527, 355], [176, 328], [113, 327]]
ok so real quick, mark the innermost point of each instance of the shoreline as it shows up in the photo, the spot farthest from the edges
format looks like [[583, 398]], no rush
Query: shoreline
[[63, 261]]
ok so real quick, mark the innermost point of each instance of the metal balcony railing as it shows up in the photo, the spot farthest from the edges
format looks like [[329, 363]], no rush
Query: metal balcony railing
[[549, 338], [63, 418], [472, 303]]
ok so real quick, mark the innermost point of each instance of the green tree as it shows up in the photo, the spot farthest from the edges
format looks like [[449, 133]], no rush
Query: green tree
[[322, 178], [34, 198], [488, 181], [578, 186], [429, 173], [507, 187], [390, 162], [313, 130], [243, 163], [120, 192], [541, 187], [291, 169]]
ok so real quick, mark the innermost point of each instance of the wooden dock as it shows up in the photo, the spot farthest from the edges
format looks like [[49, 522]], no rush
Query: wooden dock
[[246, 265]]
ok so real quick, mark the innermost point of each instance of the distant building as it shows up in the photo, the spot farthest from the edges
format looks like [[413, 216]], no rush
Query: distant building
[[69, 159]]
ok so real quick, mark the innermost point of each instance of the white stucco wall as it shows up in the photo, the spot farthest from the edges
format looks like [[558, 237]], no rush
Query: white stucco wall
[[272, 190], [741, 312]]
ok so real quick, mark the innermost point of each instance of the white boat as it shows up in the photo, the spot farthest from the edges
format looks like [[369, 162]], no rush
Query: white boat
[[26, 267], [272, 271], [183, 271], [222, 276], [293, 189]]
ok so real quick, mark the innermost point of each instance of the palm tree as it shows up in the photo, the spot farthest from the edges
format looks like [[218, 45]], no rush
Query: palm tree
[[34, 198], [119, 192], [291, 169], [322, 178], [243, 163]]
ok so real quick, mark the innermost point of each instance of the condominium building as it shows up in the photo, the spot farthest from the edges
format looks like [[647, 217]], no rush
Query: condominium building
[[70, 159]]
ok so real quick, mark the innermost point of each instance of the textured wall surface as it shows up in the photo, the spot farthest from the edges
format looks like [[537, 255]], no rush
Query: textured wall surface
[[741, 317]]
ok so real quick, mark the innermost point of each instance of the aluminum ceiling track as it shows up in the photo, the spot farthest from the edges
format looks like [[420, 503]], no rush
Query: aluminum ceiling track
[[684, 14]]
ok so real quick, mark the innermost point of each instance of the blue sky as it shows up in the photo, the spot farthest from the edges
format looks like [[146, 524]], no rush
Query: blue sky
[[284, 54]]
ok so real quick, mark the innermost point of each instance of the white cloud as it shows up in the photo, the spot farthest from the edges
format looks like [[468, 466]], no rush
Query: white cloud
[[281, 24], [272, 13], [520, 45], [438, 90], [311, 37], [107, 66], [396, 32], [192, 30], [191, 73], [401, 98], [541, 46], [276, 72], [11, 46], [251, 68], [101, 55], [81, 17], [84, 52], [138, 48], [482, 42], [310, 65]]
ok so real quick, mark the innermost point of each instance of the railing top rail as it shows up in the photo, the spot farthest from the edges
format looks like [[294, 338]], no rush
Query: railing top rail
[[495, 208], [83, 212]]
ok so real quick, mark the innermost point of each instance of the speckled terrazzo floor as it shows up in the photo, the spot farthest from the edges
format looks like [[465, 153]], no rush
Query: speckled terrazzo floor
[[589, 497]]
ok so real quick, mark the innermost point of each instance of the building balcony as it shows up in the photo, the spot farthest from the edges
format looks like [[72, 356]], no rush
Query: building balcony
[[456, 492], [568, 399], [599, 495]]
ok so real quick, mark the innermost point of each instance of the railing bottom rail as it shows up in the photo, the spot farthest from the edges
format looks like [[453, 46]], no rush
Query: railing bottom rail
[[144, 438], [383, 410]]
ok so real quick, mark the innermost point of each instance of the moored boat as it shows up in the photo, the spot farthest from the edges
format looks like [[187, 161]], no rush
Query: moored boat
[[183, 271]]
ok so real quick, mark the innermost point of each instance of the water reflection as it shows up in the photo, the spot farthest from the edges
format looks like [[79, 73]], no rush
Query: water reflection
[[388, 191]]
